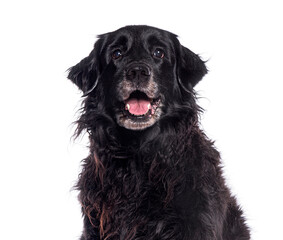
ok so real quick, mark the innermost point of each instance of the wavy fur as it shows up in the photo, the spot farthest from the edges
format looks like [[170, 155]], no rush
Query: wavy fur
[[164, 182]]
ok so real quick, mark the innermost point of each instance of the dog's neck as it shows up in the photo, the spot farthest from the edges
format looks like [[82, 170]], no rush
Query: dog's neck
[[121, 143]]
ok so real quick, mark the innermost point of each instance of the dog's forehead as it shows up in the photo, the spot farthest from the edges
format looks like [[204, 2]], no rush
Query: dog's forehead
[[139, 35]]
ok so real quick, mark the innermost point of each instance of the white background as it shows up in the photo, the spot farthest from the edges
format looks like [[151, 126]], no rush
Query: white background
[[242, 95]]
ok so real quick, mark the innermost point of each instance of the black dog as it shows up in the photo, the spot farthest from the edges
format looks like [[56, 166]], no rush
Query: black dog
[[152, 173]]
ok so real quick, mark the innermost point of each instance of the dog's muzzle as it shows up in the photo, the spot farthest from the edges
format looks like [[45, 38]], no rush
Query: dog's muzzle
[[139, 97]]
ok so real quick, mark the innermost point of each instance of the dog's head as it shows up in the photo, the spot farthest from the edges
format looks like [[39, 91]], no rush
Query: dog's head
[[138, 73]]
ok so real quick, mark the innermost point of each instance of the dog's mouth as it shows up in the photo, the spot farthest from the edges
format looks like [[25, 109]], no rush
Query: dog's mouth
[[139, 111], [139, 105]]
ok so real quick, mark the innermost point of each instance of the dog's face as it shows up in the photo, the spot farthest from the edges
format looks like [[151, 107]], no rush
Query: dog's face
[[139, 73]]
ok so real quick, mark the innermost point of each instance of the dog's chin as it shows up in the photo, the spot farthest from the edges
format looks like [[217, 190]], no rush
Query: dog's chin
[[137, 123]]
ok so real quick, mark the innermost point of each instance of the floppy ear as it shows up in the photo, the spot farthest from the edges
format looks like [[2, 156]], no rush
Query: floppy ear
[[191, 69], [85, 74]]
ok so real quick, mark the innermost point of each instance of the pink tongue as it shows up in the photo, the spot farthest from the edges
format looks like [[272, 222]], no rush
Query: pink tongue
[[137, 106]]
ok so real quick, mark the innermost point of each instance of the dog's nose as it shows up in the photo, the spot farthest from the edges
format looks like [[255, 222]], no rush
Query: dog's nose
[[138, 71]]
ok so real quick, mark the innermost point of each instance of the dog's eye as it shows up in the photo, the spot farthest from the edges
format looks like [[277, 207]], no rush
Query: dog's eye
[[158, 53], [117, 54]]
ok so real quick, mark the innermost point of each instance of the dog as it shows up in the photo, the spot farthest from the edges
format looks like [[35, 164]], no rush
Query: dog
[[151, 174]]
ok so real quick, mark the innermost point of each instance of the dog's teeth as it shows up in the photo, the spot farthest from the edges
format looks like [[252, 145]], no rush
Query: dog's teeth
[[148, 106], [128, 107]]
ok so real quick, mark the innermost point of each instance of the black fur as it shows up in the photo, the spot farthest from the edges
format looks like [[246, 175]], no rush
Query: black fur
[[149, 177]]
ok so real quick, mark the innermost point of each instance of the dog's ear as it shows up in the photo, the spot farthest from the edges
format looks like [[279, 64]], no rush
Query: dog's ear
[[85, 73], [191, 69]]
